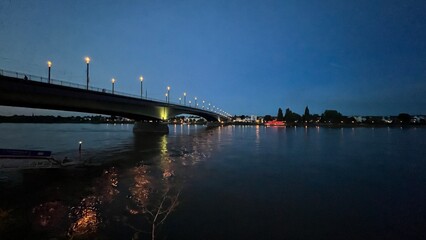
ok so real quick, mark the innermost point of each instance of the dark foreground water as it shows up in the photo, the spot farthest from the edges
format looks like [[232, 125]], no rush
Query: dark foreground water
[[223, 183]]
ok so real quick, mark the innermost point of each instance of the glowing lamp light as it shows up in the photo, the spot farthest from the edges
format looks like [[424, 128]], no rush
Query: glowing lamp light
[[87, 59], [113, 80], [141, 78], [49, 63]]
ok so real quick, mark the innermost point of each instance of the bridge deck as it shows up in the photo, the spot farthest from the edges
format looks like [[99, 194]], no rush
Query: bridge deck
[[59, 95]]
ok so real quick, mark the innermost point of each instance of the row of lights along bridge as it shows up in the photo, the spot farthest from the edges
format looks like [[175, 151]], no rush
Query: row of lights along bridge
[[205, 106]]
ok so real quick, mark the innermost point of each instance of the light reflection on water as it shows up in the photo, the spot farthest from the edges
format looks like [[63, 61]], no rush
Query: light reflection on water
[[140, 174], [297, 183]]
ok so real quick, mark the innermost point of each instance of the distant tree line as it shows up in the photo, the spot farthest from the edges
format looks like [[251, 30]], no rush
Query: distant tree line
[[335, 117]]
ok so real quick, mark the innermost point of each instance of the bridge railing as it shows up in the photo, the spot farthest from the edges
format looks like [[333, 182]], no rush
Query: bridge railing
[[69, 84], [65, 83], [84, 87]]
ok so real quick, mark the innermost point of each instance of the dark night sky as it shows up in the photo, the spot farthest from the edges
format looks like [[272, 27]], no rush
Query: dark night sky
[[362, 57]]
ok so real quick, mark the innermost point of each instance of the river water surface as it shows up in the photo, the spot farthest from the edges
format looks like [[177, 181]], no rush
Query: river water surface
[[231, 182]]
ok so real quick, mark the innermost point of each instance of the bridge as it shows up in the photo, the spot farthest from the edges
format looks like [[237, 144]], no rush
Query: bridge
[[24, 90]]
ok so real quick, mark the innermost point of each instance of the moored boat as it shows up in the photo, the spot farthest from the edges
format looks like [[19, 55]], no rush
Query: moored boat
[[12, 159], [275, 123]]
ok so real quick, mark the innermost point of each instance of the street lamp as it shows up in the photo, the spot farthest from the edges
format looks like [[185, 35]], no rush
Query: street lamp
[[195, 103], [141, 78], [49, 65], [180, 100], [184, 98], [168, 94], [189, 102], [167, 97], [87, 59], [203, 103], [113, 81]]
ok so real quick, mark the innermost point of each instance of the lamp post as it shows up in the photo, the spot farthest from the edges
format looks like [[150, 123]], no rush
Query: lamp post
[[189, 102], [195, 102], [167, 97], [180, 100], [87, 59], [113, 81], [168, 94], [141, 79], [49, 65], [184, 98], [79, 149], [203, 103]]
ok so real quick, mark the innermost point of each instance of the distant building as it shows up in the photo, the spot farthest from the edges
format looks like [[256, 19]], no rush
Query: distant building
[[386, 119], [359, 119], [417, 119], [245, 119]]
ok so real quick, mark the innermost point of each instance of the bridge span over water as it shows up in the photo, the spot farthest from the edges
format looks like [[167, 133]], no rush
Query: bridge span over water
[[21, 90]]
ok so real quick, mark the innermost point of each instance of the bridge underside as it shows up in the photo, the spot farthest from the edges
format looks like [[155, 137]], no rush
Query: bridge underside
[[24, 93]]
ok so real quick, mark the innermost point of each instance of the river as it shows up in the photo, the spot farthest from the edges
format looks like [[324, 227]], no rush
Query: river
[[233, 182]]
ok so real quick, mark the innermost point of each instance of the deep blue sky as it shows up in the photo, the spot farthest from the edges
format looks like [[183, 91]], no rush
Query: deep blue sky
[[361, 57]]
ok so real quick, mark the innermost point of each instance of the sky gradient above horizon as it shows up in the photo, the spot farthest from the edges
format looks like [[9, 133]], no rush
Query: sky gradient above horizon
[[246, 57]]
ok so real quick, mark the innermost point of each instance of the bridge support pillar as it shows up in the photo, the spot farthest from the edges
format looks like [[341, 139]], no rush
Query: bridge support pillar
[[213, 124], [151, 127]]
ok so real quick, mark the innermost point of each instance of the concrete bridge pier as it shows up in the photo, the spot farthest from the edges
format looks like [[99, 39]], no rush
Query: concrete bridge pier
[[150, 127], [213, 124]]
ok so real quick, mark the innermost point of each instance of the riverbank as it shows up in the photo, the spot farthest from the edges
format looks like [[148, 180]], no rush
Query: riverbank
[[116, 120], [339, 125]]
